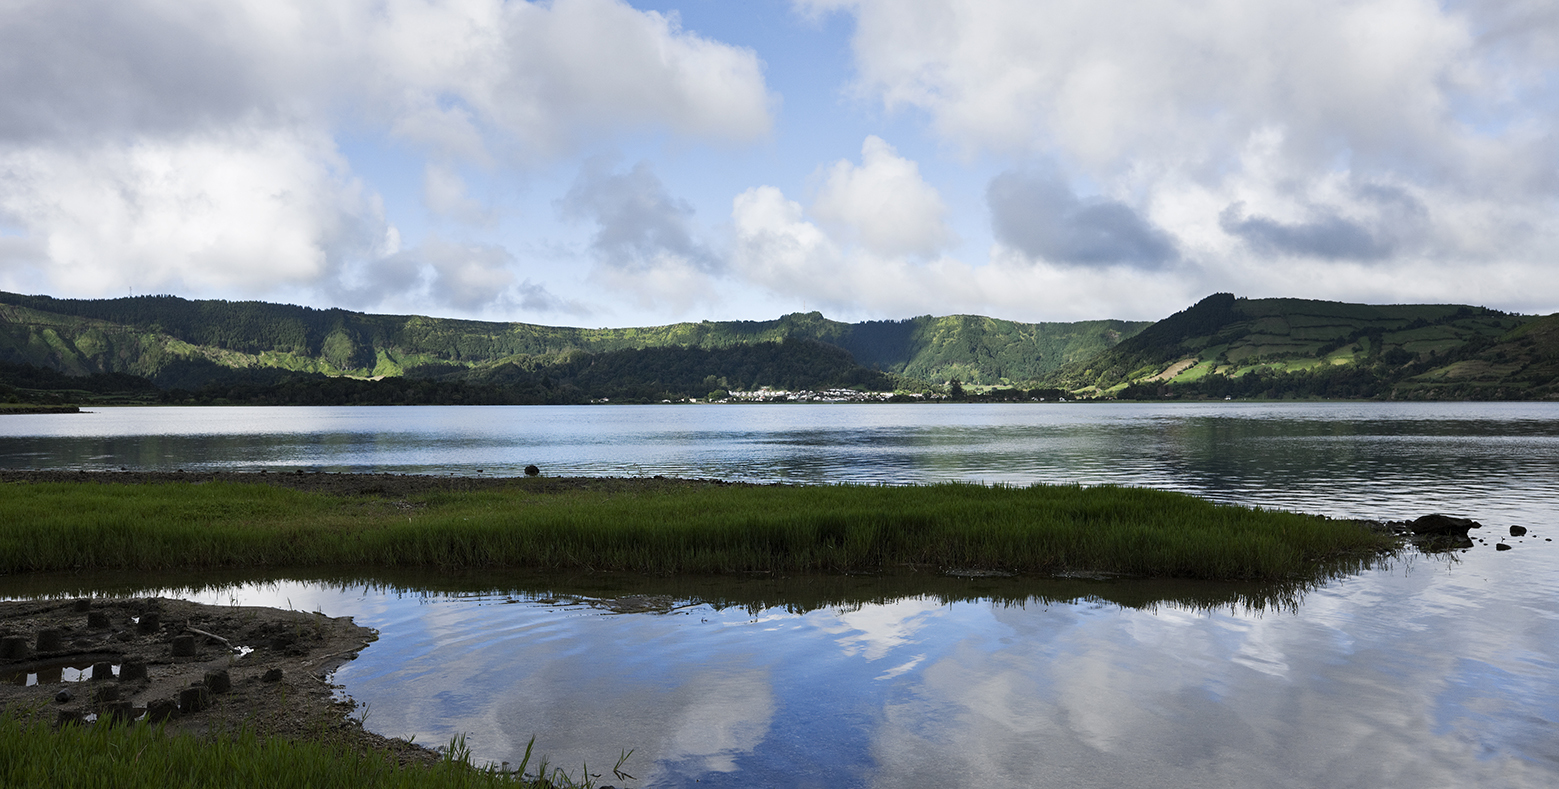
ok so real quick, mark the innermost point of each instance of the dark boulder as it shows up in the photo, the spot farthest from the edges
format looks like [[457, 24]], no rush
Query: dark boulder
[[1442, 526], [194, 699], [1518, 531], [14, 648], [161, 709], [51, 639], [219, 681]]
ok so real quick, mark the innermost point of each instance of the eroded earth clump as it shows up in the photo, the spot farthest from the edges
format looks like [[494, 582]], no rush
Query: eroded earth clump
[[199, 668]]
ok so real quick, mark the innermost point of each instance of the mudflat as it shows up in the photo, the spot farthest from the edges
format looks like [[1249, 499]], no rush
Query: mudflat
[[378, 485], [200, 668]]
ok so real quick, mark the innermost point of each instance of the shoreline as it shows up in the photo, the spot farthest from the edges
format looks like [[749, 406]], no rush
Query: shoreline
[[197, 669]]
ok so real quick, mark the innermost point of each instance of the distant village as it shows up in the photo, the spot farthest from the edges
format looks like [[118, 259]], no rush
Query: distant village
[[819, 396]]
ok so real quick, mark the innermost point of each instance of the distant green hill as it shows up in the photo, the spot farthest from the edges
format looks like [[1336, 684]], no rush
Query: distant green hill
[[184, 344], [1225, 346]]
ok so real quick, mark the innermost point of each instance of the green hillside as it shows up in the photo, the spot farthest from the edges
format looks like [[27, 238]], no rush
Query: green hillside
[[197, 345], [1225, 346], [184, 344]]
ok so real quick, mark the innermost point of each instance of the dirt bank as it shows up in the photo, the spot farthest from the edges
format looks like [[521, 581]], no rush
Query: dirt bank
[[201, 667], [392, 486]]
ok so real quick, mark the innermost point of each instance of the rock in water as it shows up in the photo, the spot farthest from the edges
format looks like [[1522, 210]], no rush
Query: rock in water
[[1443, 526], [1518, 531], [1501, 547]]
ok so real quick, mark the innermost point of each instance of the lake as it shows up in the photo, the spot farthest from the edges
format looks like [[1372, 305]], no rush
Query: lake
[[1430, 671]]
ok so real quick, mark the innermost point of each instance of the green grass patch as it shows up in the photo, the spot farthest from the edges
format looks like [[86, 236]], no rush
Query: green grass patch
[[693, 528], [37, 755]]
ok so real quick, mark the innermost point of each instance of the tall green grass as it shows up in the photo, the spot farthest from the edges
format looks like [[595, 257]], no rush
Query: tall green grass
[[35, 754], [693, 529]]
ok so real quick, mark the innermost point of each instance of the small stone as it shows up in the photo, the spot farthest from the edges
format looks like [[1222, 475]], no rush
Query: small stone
[[531, 471], [194, 699], [51, 639], [161, 710], [132, 670], [184, 646], [102, 671], [1501, 547], [117, 712], [97, 619], [14, 648], [274, 675], [64, 696], [219, 681], [149, 623], [1518, 531]]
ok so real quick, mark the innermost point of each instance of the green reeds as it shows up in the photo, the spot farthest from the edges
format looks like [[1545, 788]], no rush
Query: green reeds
[[37, 755], [690, 529]]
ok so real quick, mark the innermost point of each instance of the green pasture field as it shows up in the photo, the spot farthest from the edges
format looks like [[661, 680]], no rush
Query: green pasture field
[[693, 528]]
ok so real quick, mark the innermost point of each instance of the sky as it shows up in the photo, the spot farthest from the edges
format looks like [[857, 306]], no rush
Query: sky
[[608, 163]]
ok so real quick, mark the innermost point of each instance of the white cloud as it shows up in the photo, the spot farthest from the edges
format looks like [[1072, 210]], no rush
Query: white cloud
[[1038, 214], [221, 212], [646, 243], [543, 75], [191, 146], [1108, 82], [776, 248], [534, 75], [1275, 145], [884, 204], [444, 193]]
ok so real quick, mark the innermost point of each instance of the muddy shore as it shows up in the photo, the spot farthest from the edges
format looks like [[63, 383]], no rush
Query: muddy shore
[[378, 485], [201, 668]]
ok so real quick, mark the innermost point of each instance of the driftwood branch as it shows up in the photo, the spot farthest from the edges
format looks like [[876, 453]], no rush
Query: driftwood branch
[[212, 636]]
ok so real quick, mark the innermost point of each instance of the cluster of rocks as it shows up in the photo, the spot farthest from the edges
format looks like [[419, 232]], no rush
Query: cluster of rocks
[[165, 660], [1439, 533]]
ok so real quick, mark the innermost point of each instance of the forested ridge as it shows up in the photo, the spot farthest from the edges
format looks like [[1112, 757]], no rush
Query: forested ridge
[[203, 346], [168, 349]]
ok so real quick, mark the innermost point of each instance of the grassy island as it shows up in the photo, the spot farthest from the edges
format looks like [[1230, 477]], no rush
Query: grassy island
[[657, 526]]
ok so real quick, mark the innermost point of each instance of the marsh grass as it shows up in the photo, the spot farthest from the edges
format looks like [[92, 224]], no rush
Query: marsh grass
[[693, 529], [37, 755]]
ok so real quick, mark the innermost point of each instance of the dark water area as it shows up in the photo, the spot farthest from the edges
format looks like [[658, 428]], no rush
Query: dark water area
[[1424, 671]]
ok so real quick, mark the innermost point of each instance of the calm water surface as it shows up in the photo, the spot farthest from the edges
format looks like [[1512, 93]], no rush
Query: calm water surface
[[1430, 672]]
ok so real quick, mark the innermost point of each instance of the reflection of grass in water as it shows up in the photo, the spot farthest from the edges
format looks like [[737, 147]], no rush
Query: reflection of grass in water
[[752, 592], [687, 530], [140, 755]]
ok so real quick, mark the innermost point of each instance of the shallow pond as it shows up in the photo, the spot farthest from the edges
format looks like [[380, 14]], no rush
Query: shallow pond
[[1432, 671]]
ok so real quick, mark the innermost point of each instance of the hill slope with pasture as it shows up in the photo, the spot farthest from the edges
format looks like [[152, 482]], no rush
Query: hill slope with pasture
[[1225, 346]]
